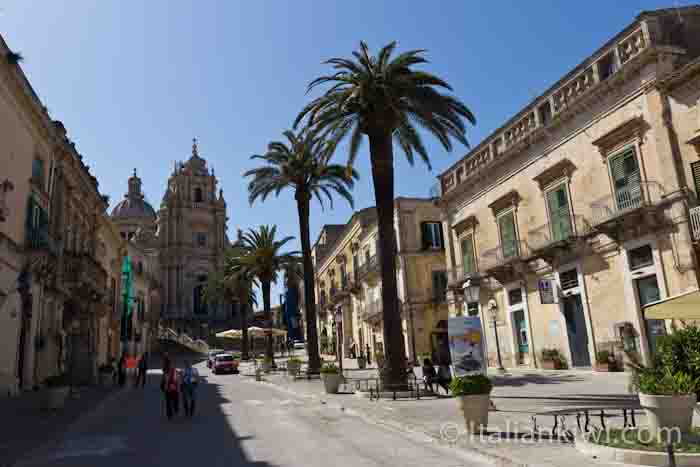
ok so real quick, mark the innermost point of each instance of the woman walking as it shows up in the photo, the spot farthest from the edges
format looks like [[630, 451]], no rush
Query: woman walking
[[190, 379], [171, 388]]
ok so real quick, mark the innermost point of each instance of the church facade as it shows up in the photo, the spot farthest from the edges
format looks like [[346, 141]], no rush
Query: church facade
[[188, 235]]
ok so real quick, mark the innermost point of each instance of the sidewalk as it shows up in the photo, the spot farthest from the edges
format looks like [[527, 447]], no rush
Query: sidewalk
[[25, 426], [518, 396]]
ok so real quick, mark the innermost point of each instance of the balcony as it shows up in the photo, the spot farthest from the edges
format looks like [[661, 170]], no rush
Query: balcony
[[695, 223], [457, 276], [372, 311], [84, 275], [506, 264], [628, 207], [369, 271], [39, 240], [340, 293], [551, 240]]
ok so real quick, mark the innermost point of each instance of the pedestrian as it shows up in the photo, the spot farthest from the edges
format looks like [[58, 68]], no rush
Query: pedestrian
[[171, 387], [142, 370], [369, 357], [190, 380], [166, 362], [353, 351], [121, 370]]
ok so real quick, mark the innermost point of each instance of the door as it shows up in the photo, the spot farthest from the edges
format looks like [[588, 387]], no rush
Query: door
[[521, 332], [648, 291], [626, 177], [576, 329], [509, 239], [559, 217]]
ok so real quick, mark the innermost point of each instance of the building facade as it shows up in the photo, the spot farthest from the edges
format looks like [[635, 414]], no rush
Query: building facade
[[349, 281], [577, 212]]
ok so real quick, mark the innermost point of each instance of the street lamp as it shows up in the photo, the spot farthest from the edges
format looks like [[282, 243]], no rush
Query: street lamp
[[493, 311], [471, 289]]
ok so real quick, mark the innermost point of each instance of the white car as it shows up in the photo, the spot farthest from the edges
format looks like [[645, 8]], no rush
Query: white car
[[299, 345]]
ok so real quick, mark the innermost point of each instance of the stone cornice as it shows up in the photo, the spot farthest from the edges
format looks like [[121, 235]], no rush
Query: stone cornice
[[631, 129], [561, 169]]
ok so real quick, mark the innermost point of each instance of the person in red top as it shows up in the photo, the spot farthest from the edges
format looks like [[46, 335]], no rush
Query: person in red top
[[171, 387]]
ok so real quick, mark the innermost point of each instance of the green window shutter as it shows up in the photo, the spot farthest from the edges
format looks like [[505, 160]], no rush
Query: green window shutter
[[442, 236], [468, 255], [624, 171], [425, 235], [560, 220], [695, 169], [509, 240]]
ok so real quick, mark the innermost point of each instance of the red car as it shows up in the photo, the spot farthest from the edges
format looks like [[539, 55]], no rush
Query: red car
[[224, 363]]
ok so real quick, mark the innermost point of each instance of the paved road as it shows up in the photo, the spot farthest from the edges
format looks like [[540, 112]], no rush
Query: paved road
[[239, 423]]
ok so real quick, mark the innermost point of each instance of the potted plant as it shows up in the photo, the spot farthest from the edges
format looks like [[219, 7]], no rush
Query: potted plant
[[105, 373], [474, 394], [552, 359], [331, 376], [668, 387], [605, 361], [361, 362], [267, 364], [293, 366], [57, 389], [379, 358]]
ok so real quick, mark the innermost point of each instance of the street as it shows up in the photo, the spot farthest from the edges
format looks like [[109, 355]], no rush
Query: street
[[238, 423]]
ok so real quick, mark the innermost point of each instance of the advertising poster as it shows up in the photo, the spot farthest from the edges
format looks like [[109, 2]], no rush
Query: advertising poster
[[466, 345]]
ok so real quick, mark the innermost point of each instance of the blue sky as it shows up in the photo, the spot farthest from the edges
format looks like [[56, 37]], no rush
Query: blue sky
[[134, 81]]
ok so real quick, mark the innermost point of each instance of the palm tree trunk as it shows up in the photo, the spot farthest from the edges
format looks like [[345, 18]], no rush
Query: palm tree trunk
[[382, 158], [309, 283], [269, 352], [244, 330]]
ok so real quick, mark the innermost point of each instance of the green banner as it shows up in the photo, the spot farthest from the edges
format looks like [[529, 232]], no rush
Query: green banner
[[127, 296]]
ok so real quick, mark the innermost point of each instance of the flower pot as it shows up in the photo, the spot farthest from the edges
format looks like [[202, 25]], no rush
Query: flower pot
[[55, 398], [668, 412], [331, 381], [605, 367], [475, 409], [293, 368], [258, 374], [361, 363], [551, 365]]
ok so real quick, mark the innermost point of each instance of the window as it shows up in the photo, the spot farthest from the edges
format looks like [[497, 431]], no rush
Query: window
[[695, 169], [201, 239], [432, 236], [468, 260], [515, 296], [545, 111], [640, 257], [440, 286], [343, 275], [509, 239], [198, 195], [626, 178], [38, 172], [559, 217], [569, 279]]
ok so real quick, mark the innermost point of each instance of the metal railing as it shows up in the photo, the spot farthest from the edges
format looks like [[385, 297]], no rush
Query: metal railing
[[695, 222], [503, 254], [369, 266], [457, 275], [626, 199], [562, 230], [40, 239]]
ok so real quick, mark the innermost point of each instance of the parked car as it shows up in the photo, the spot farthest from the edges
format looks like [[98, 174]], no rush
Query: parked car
[[299, 345], [225, 363], [211, 354]]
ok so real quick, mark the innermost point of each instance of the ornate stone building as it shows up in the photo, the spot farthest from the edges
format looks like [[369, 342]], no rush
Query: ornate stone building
[[189, 235]]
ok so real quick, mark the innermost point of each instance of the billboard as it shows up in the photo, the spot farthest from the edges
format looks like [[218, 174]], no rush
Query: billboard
[[466, 339]]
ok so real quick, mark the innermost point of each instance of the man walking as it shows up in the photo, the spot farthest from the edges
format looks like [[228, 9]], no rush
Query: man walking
[[190, 380], [142, 370]]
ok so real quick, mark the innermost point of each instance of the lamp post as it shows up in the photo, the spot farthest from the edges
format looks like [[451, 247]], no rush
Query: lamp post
[[472, 291], [493, 311]]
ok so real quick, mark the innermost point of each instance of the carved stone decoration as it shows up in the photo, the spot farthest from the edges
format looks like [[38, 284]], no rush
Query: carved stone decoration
[[510, 199], [562, 169], [630, 130], [465, 225]]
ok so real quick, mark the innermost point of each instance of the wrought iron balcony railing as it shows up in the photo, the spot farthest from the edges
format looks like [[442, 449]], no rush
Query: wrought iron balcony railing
[[553, 233], [695, 222], [625, 200]]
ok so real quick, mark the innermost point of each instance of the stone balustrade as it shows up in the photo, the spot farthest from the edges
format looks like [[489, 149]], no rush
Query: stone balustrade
[[545, 110]]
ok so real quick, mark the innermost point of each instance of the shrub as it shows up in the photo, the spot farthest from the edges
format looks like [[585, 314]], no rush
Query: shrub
[[471, 385], [604, 356], [330, 369], [294, 360], [664, 383], [552, 355], [680, 351]]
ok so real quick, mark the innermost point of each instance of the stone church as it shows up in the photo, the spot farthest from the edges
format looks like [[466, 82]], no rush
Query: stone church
[[189, 234]]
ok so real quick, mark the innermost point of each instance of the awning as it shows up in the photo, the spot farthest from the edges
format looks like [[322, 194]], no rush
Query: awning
[[683, 306]]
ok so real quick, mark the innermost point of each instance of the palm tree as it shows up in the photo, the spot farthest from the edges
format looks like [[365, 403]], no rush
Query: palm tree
[[302, 164], [385, 99], [263, 259], [243, 281]]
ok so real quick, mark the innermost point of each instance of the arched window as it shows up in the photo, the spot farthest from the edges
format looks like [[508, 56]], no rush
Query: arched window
[[198, 195]]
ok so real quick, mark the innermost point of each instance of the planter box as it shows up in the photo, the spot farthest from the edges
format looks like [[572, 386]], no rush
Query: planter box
[[361, 363], [605, 367], [475, 409], [332, 382], [552, 365], [55, 398], [668, 412]]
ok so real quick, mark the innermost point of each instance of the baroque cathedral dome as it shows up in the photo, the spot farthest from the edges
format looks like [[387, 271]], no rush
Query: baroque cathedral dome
[[133, 205]]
